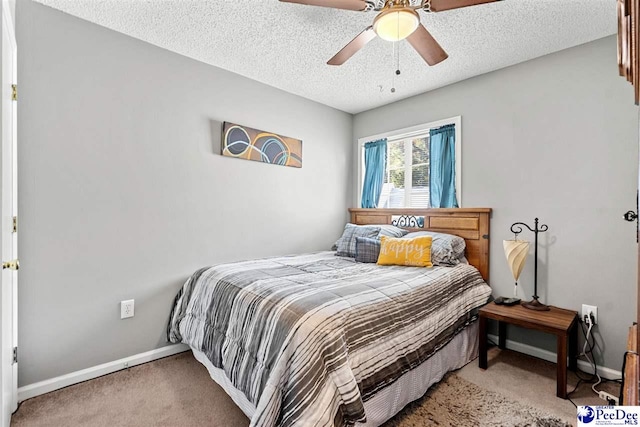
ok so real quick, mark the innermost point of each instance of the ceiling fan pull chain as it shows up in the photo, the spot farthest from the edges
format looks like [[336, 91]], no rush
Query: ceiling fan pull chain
[[397, 57], [393, 79], [398, 62]]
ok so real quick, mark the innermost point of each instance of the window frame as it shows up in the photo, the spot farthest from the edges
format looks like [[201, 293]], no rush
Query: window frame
[[409, 132]]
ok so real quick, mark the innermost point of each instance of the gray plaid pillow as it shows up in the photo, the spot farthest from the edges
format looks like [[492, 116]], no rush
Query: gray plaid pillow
[[367, 250], [446, 249], [385, 230], [391, 231], [347, 243]]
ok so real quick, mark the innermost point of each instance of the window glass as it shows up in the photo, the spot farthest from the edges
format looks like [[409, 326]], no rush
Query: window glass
[[406, 182]]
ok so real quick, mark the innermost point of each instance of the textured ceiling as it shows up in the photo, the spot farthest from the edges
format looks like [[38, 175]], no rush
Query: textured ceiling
[[287, 45]]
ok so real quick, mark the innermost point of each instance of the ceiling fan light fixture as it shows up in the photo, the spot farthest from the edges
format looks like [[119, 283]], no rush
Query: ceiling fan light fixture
[[396, 23]]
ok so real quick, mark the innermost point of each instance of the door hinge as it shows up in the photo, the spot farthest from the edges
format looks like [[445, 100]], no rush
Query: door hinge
[[15, 224], [15, 355], [11, 265], [14, 92]]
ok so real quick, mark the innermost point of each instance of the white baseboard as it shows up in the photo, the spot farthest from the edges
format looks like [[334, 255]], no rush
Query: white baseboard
[[46, 386], [551, 357], [42, 387]]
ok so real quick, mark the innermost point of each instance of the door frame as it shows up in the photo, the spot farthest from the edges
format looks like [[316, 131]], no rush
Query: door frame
[[8, 233]]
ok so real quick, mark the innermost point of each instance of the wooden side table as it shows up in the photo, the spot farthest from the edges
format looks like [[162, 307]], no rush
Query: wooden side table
[[558, 321]]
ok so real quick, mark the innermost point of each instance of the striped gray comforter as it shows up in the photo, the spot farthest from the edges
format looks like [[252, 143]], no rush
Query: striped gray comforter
[[308, 338]]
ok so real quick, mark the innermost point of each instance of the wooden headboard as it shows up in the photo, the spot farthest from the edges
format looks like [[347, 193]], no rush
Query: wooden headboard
[[472, 224]]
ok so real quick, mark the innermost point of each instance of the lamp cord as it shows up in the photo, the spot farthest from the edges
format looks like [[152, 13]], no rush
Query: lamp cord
[[595, 369], [584, 353], [587, 335]]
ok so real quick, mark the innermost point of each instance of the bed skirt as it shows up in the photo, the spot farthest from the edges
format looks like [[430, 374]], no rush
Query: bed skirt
[[462, 349]]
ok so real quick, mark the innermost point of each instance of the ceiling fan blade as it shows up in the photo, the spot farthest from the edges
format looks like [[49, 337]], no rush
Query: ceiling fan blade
[[424, 43], [441, 5], [357, 5], [353, 46]]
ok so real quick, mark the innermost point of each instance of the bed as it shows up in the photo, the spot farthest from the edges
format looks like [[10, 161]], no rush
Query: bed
[[320, 340]]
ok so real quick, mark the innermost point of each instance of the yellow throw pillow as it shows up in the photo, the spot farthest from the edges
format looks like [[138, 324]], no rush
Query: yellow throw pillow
[[414, 252]]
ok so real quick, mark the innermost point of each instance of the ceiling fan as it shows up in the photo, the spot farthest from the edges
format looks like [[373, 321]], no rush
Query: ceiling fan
[[396, 20]]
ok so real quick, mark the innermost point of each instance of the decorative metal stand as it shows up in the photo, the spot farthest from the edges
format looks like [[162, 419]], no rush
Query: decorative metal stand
[[516, 228], [408, 221]]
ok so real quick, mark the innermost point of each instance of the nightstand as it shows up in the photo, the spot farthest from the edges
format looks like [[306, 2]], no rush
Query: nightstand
[[557, 321]]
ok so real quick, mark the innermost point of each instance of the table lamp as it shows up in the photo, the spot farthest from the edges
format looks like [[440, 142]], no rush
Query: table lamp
[[516, 252]]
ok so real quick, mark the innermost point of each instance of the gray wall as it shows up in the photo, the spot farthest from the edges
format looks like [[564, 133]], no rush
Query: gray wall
[[556, 138], [123, 193]]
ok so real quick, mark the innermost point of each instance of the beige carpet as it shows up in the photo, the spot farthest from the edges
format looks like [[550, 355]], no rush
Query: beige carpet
[[532, 381], [455, 402], [177, 391], [174, 391]]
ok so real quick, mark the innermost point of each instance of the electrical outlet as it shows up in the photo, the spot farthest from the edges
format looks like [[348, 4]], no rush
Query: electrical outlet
[[126, 308], [586, 309]]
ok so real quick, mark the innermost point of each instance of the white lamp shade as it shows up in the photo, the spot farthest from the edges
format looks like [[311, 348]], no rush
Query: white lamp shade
[[516, 252], [396, 24]]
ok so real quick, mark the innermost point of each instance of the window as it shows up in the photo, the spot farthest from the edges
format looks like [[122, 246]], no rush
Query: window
[[406, 179]]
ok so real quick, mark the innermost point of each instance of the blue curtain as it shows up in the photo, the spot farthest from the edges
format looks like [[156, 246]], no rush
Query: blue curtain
[[375, 161], [442, 174]]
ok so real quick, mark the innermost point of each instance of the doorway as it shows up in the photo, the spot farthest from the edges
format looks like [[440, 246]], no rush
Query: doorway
[[8, 218]]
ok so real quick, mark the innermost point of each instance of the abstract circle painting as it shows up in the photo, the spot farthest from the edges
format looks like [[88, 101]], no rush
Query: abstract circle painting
[[251, 144]]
